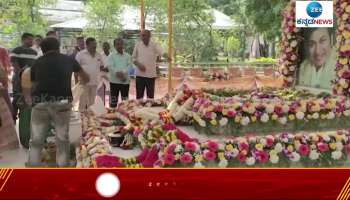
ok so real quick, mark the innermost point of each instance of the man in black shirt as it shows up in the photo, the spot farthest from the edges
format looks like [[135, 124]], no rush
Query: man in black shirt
[[21, 58], [51, 75]]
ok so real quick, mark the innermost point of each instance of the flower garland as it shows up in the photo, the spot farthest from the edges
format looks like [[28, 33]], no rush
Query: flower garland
[[316, 149], [279, 107], [167, 146], [342, 81], [289, 44]]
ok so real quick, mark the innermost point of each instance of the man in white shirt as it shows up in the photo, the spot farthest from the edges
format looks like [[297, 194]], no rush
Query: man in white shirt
[[91, 62], [36, 45], [145, 57], [103, 84]]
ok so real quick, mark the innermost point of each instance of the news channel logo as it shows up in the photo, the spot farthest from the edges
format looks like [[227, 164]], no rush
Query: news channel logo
[[311, 14]]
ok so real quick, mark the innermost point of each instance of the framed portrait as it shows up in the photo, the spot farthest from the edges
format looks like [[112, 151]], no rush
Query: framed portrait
[[318, 58]]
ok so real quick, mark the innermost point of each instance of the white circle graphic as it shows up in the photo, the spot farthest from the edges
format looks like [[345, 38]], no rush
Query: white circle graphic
[[107, 185]]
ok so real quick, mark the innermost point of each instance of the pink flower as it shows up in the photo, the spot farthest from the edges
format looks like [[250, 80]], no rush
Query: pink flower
[[207, 115], [262, 156], [243, 146], [170, 149], [158, 163], [209, 155], [278, 110], [108, 161], [140, 158], [346, 75], [322, 147], [212, 146], [183, 137], [303, 150], [269, 141], [169, 159], [169, 127], [218, 108], [231, 113], [186, 158], [241, 157], [191, 146], [151, 157]]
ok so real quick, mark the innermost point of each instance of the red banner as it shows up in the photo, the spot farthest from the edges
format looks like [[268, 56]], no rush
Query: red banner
[[178, 184]]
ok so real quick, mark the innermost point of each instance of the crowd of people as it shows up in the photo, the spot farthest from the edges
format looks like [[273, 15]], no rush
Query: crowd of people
[[51, 73]]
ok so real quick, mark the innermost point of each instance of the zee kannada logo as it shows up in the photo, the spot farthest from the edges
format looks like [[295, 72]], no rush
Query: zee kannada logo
[[314, 9]]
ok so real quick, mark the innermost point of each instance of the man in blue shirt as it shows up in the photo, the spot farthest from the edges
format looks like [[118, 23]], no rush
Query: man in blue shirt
[[118, 64]]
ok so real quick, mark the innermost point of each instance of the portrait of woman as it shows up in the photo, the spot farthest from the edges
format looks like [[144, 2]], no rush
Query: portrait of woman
[[317, 68]]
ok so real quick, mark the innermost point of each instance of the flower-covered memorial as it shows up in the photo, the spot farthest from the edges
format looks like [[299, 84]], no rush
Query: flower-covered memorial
[[232, 128], [277, 128]]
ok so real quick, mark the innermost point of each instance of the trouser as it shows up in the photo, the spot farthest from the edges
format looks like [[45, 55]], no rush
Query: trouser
[[143, 83], [101, 92], [115, 89], [17, 99], [43, 114], [24, 126], [87, 97]]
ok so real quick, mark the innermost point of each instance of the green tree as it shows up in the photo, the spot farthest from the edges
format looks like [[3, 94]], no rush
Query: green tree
[[231, 45], [266, 18], [103, 19], [18, 16], [193, 31], [237, 10], [254, 16], [193, 36]]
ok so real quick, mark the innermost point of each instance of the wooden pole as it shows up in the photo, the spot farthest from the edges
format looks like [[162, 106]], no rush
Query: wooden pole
[[170, 43], [142, 24]]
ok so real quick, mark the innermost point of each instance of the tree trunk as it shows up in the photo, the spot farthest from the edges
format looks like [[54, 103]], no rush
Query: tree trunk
[[272, 49], [242, 45]]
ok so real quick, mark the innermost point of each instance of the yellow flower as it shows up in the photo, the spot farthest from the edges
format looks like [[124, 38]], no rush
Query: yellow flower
[[314, 138], [259, 147], [296, 143], [138, 166], [333, 146], [290, 148], [338, 138], [343, 61], [315, 108], [346, 34], [210, 108], [213, 122], [323, 116], [221, 156], [225, 112], [177, 156], [347, 9], [173, 137], [229, 147], [253, 119], [273, 153], [345, 48], [291, 117], [313, 146], [236, 105], [198, 158], [274, 117], [237, 119]]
